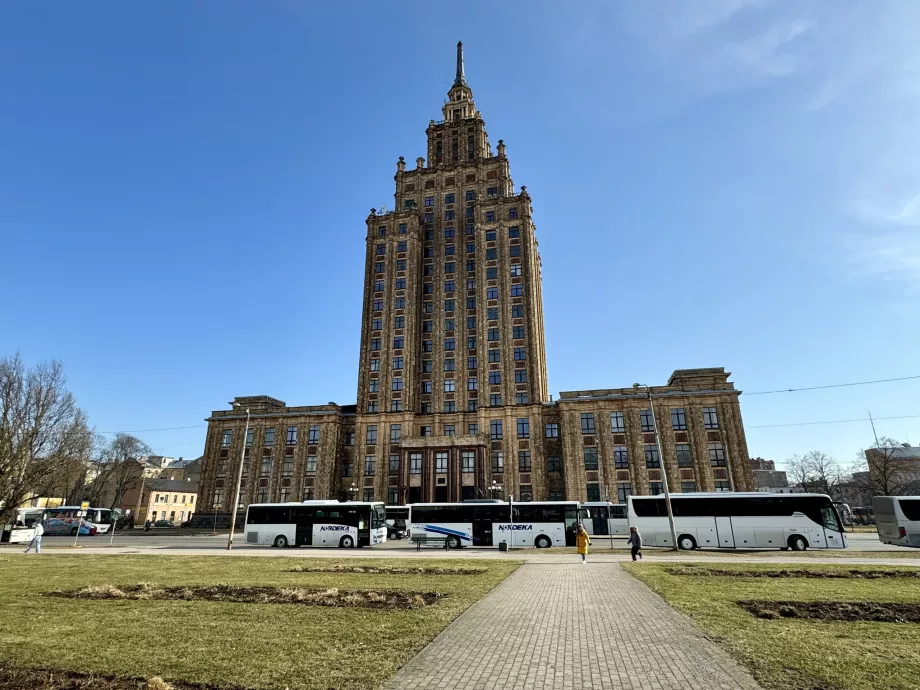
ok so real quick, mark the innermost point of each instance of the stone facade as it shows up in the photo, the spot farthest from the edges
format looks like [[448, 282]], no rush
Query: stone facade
[[452, 383]]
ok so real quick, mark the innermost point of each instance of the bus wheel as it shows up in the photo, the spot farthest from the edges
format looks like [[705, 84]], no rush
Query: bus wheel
[[798, 543], [347, 542], [686, 542], [453, 543], [542, 542], [281, 541]]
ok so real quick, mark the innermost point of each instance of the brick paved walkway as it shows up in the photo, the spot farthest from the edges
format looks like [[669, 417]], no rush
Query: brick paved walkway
[[572, 627]]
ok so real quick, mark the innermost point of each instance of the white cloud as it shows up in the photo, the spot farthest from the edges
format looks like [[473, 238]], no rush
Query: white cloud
[[891, 257]]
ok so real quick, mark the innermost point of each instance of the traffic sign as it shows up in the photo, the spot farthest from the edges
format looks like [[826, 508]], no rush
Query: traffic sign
[[84, 505]]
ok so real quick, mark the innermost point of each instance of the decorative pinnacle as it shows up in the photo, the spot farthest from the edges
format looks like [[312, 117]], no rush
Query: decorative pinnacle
[[460, 80]]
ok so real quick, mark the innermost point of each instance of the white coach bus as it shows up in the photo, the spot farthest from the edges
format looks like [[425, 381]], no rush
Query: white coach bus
[[897, 519], [488, 523], [316, 523], [602, 519], [740, 521]]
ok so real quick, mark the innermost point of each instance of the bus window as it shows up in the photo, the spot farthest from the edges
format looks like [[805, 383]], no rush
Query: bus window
[[829, 518], [910, 507]]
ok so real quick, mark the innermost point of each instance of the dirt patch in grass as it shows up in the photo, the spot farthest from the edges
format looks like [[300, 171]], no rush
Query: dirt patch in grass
[[846, 611], [851, 573], [385, 570], [238, 594], [17, 678]]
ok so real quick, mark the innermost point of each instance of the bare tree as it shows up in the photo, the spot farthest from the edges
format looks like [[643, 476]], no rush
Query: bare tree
[[41, 429], [815, 472], [118, 469], [882, 470]]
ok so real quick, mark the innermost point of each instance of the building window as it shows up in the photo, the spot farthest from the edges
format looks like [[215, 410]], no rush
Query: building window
[[517, 290], [426, 386], [655, 488], [710, 418], [471, 363], [587, 423], [523, 427], [415, 463], [617, 423], [472, 405], [450, 406], [470, 195], [401, 246], [396, 406], [381, 231], [553, 463], [381, 249], [403, 229], [395, 433], [427, 326], [448, 198], [498, 461], [397, 384], [449, 385], [678, 419], [249, 435], [313, 435], [495, 400], [398, 343], [520, 354], [378, 286], [716, 455], [594, 491], [491, 274], [399, 303], [310, 467], [448, 215], [370, 465], [522, 398], [552, 430], [376, 324], [684, 459], [590, 455], [514, 232], [449, 305], [471, 343], [291, 437], [397, 362], [723, 486], [368, 495], [491, 255], [429, 201], [394, 465], [392, 496], [425, 431], [515, 250], [427, 367], [468, 461], [470, 265], [492, 335], [440, 463], [347, 470], [687, 487], [450, 344], [349, 438], [624, 491], [620, 458], [652, 459], [512, 213], [287, 467], [375, 365], [517, 311], [470, 247], [495, 377], [266, 467], [370, 435], [472, 428], [450, 430], [269, 438], [524, 461], [490, 216], [449, 365], [427, 346], [645, 417], [401, 266], [399, 322], [495, 429], [372, 406], [226, 438], [375, 344]]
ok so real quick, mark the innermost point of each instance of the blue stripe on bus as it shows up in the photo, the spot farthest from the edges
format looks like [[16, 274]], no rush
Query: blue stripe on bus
[[447, 532]]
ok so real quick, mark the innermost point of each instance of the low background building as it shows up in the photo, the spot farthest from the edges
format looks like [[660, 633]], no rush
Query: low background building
[[161, 499]]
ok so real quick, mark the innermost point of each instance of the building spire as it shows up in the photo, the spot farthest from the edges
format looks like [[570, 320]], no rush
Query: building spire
[[460, 80]]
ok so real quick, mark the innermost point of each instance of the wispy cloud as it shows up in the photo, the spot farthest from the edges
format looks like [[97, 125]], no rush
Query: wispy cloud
[[892, 257], [903, 213]]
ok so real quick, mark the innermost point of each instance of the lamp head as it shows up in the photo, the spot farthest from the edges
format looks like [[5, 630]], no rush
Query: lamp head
[[235, 405], [635, 385]]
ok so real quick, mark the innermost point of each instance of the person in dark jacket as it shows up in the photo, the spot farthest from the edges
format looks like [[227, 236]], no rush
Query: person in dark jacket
[[635, 542], [147, 526]]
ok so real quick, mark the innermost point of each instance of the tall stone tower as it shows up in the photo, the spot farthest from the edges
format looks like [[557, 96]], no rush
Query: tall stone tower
[[453, 307]]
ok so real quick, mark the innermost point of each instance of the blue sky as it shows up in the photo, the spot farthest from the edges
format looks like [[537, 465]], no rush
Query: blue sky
[[183, 188]]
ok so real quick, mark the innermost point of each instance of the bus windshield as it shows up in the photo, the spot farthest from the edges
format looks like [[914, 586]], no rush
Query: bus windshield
[[378, 517]]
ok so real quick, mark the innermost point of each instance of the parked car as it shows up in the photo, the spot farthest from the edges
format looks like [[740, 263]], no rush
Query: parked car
[[397, 530], [164, 523]]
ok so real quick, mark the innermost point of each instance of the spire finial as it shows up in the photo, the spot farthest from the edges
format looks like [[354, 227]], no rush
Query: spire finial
[[460, 80]]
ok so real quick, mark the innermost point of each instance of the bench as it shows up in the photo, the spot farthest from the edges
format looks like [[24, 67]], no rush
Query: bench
[[424, 539]]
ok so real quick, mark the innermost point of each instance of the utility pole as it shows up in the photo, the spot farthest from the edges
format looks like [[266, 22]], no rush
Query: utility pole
[[664, 473], [239, 480]]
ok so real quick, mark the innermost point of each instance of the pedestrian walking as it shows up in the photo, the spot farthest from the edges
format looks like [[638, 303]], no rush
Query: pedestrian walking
[[147, 526], [635, 541], [36, 539], [582, 541]]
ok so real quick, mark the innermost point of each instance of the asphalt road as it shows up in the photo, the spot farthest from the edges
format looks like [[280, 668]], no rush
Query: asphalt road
[[181, 540]]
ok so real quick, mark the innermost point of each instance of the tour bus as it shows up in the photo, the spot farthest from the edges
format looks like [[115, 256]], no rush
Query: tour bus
[[22, 528], [489, 522], [602, 519], [98, 519], [316, 523], [66, 519], [897, 519], [397, 521], [739, 521]]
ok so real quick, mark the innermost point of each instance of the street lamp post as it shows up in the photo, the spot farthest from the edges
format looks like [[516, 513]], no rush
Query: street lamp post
[[664, 472], [239, 480], [352, 491]]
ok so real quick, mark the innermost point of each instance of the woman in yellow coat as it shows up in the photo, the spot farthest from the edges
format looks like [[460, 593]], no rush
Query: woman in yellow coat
[[582, 542]]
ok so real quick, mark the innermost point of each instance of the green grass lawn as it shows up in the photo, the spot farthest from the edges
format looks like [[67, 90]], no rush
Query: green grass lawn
[[249, 645], [796, 654]]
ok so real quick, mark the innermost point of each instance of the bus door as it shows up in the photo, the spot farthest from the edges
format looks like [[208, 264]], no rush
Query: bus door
[[572, 515], [303, 520], [599, 524], [482, 527], [361, 518], [724, 531]]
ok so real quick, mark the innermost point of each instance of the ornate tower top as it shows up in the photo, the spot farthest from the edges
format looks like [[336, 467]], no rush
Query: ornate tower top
[[460, 103]]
